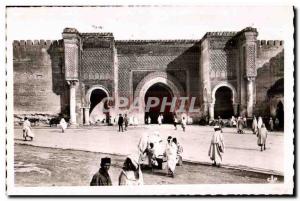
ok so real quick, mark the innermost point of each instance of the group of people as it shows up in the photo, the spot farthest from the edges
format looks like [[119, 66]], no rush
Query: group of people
[[173, 154], [130, 174], [183, 122], [152, 148], [217, 146], [260, 130], [123, 121]]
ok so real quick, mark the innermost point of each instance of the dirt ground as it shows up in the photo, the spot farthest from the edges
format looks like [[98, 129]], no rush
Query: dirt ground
[[38, 166]]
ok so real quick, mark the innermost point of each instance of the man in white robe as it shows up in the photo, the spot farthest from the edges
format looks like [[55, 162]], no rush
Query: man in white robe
[[63, 124], [217, 147], [27, 132], [259, 122], [254, 125], [171, 154], [262, 137]]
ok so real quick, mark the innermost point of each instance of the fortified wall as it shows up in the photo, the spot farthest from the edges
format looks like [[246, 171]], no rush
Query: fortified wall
[[270, 70], [47, 74], [38, 72]]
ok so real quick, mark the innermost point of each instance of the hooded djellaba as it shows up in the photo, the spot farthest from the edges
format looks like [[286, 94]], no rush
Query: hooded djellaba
[[131, 174], [217, 147]]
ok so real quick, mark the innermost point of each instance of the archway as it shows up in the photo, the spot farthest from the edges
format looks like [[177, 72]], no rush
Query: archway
[[280, 114], [223, 102], [98, 110], [160, 91], [162, 78], [97, 96]]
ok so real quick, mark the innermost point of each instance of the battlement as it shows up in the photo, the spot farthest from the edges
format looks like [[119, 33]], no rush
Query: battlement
[[222, 33], [270, 43], [43, 43], [97, 35], [142, 42]]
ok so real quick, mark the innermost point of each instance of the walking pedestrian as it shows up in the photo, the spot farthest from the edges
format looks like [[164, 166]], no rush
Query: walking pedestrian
[[183, 123], [142, 146], [159, 119], [245, 121], [232, 122], [63, 124], [171, 154], [149, 120], [240, 125], [102, 178], [262, 137], [131, 174], [254, 125], [120, 123], [271, 124], [175, 120], [259, 122], [27, 131], [217, 147], [179, 152], [126, 122]]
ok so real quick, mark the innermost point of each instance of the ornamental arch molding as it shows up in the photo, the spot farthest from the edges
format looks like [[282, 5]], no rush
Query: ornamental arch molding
[[224, 84], [158, 77]]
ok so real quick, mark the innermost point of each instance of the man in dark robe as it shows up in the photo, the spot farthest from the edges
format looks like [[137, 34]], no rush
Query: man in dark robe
[[120, 123], [102, 178]]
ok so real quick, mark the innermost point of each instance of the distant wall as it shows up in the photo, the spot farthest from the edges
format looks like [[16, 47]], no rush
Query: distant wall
[[39, 86], [270, 68]]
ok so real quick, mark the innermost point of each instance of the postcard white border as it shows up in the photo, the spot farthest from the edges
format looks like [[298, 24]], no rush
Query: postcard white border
[[201, 189]]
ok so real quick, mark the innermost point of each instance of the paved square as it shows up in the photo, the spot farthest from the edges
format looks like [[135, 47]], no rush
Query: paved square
[[241, 149]]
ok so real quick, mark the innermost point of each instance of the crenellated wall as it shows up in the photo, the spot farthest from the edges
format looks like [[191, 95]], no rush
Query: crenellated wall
[[198, 66], [38, 73], [270, 68]]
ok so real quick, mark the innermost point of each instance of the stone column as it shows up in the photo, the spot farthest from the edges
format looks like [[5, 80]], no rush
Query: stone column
[[72, 102], [250, 95], [86, 116], [235, 109], [205, 109], [71, 40], [211, 111], [249, 50]]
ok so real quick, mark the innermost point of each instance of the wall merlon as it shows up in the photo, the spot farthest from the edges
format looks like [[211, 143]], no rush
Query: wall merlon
[[16, 43], [224, 33], [42, 43], [270, 43]]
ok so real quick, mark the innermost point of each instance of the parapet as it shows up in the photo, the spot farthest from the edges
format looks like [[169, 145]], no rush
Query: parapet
[[42, 43], [137, 42], [249, 29], [270, 43], [224, 33], [96, 35], [70, 30]]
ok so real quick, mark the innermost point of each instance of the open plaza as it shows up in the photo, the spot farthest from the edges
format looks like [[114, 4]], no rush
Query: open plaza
[[241, 152]]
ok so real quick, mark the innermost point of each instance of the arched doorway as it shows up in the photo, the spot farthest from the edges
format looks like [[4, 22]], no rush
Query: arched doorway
[[160, 91], [280, 114], [275, 95], [163, 78], [98, 109], [223, 103]]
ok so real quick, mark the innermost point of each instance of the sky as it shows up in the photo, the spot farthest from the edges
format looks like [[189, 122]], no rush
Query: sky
[[152, 22]]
